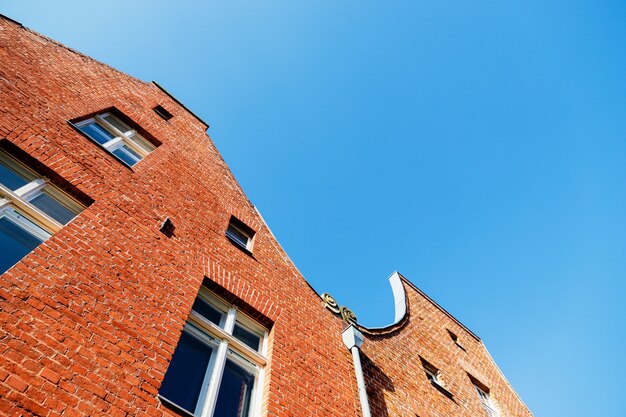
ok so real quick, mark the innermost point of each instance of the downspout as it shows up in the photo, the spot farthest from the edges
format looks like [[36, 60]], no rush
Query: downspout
[[353, 339]]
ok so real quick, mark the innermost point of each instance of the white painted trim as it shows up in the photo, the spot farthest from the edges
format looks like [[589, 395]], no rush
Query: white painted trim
[[215, 331], [399, 297], [25, 224], [230, 320], [29, 210], [353, 340], [31, 190], [226, 347], [210, 402], [121, 138]]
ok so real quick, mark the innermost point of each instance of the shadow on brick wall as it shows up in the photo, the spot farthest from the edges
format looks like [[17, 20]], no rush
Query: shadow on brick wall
[[377, 383]]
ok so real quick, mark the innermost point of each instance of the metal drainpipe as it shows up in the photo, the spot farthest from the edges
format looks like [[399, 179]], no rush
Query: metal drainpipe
[[353, 339]]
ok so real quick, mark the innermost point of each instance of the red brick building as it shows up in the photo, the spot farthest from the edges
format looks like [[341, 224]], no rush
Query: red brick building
[[137, 278]]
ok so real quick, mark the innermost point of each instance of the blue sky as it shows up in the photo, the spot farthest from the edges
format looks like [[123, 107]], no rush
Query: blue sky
[[476, 147]]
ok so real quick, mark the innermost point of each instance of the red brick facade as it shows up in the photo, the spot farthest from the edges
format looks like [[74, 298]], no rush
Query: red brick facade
[[90, 318]]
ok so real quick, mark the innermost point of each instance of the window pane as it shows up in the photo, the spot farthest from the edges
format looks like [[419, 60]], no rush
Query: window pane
[[142, 143], [127, 155], [208, 312], [237, 235], [233, 399], [119, 125], [247, 337], [97, 133], [183, 381], [53, 208], [15, 242], [10, 178]]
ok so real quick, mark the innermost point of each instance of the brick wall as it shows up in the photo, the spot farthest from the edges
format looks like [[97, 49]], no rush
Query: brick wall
[[394, 366], [90, 319]]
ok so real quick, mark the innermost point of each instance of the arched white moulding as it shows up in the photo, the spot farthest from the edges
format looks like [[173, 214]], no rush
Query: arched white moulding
[[399, 297], [399, 301]]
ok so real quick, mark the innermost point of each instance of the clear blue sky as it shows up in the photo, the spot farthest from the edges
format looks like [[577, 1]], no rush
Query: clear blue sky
[[476, 147]]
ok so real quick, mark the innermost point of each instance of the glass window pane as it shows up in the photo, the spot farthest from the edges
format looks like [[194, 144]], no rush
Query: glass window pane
[[97, 133], [119, 125], [53, 208], [11, 179], [15, 242], [233, 399], [237, 235], [207, 311], [247, 337], [183, 381], [142, 143], [127, 155]]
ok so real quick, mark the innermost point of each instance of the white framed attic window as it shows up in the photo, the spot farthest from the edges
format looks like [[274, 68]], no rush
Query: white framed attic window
[[31, 210], [217, 367], [433, 375], [486, 402], [117, 137], [239, 233]]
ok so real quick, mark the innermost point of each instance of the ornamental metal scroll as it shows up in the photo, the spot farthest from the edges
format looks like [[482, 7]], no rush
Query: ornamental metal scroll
[[345, 313]]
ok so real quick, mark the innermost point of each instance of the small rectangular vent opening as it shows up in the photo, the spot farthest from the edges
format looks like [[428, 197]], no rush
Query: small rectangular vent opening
[[160, 110]]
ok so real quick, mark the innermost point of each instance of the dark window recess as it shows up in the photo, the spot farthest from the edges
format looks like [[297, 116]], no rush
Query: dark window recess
[[455, 339], [33, 210], [189, 364], [207, 311], [239, 233], [235, 392], [247, 337], [15, 242], [118, 135], [167, 227], [160, 110], [453, 336]]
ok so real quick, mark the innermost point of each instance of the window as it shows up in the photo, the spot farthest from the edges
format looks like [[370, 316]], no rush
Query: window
[[455, 339], [116, 137], [453, 336], [218, 363], [239, 233], [31, 210], [486, 401], [433, 375]]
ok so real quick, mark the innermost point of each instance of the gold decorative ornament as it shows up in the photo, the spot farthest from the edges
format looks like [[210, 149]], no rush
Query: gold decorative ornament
[[330, 303], [347, 315], [344, 312]]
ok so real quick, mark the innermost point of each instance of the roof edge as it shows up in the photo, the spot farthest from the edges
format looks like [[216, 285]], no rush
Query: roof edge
[[11, 20], [170, 95], [401, 307], [443, 310], [505, 378]]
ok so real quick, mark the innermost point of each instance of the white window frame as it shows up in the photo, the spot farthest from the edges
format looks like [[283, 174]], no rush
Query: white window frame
[[433, 375], [20, 199], [220, 337], [120, 138], [16, 205], [248, 244], [485, 399]]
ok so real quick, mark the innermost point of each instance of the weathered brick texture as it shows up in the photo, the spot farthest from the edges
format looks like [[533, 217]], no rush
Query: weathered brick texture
[[90, 319], [397, 382]]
